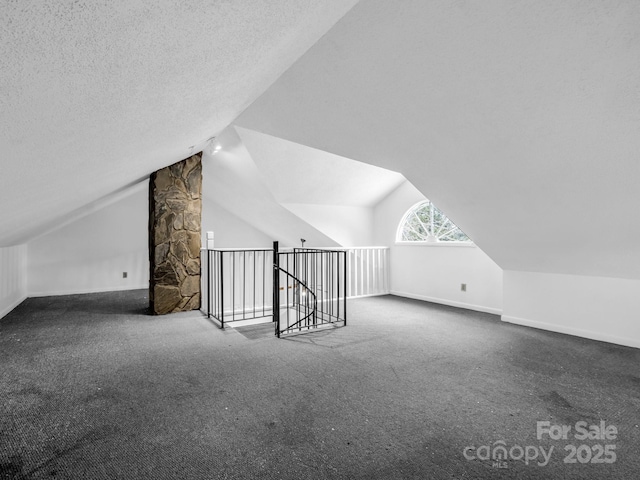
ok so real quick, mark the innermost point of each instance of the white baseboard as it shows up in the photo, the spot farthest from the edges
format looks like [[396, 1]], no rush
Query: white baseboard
[[8, 309], [451, 303], [576, 332], [380, 294], [56, 293]]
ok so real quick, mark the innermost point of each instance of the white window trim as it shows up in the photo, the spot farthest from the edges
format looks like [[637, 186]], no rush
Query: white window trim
[[406, 243]]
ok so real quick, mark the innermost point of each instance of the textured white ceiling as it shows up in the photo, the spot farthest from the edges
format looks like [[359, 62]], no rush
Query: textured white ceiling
[[521, 120], [95, 95]]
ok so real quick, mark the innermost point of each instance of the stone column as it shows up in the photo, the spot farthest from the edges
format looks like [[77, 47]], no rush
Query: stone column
[[175, 207]]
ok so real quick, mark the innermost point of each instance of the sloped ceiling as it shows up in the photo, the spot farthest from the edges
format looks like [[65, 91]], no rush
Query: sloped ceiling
[[331, 194], [96, 95], [519, 119], [289, 191], [298, 174], [232, 180]]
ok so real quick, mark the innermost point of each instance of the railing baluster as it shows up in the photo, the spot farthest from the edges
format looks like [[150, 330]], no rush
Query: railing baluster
[[374, 272]]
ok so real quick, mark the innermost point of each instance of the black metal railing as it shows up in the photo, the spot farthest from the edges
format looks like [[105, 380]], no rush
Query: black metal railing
[[299, 289], [238, 284], [310, 289]]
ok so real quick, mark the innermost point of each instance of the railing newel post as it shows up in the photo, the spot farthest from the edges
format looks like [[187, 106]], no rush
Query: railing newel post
[[344, 264], [208, 283], [222, 290], [276, 288]]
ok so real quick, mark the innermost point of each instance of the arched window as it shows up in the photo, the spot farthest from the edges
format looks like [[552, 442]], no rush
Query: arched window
[[425, 223]]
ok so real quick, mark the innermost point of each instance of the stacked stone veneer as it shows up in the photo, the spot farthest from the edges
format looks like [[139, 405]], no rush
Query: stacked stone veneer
[[175, 208]]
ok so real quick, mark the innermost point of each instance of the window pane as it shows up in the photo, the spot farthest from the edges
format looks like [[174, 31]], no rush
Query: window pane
[[425, 223]]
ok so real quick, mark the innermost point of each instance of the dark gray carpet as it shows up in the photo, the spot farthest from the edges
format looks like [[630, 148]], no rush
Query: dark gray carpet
[[93, 388]]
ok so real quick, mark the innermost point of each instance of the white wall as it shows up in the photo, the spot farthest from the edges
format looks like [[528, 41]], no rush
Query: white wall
[[601, 308], [232, 180], [91, 253], [348, 226], [230, 231], [13, 277], [435, 272]]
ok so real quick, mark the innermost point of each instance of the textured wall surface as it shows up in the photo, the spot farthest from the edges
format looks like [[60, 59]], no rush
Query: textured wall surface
[[175, 209]]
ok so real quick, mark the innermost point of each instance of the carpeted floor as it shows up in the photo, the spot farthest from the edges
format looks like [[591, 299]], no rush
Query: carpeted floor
[[259, 331], [93, 388]]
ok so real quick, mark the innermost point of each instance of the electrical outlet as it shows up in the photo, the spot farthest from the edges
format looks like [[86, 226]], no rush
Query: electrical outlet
[[463, 287], [124, 274]]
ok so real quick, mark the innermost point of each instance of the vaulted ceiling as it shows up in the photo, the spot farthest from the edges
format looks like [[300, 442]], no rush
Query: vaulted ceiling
[[95, 95], [289, 191], [519, 119]]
